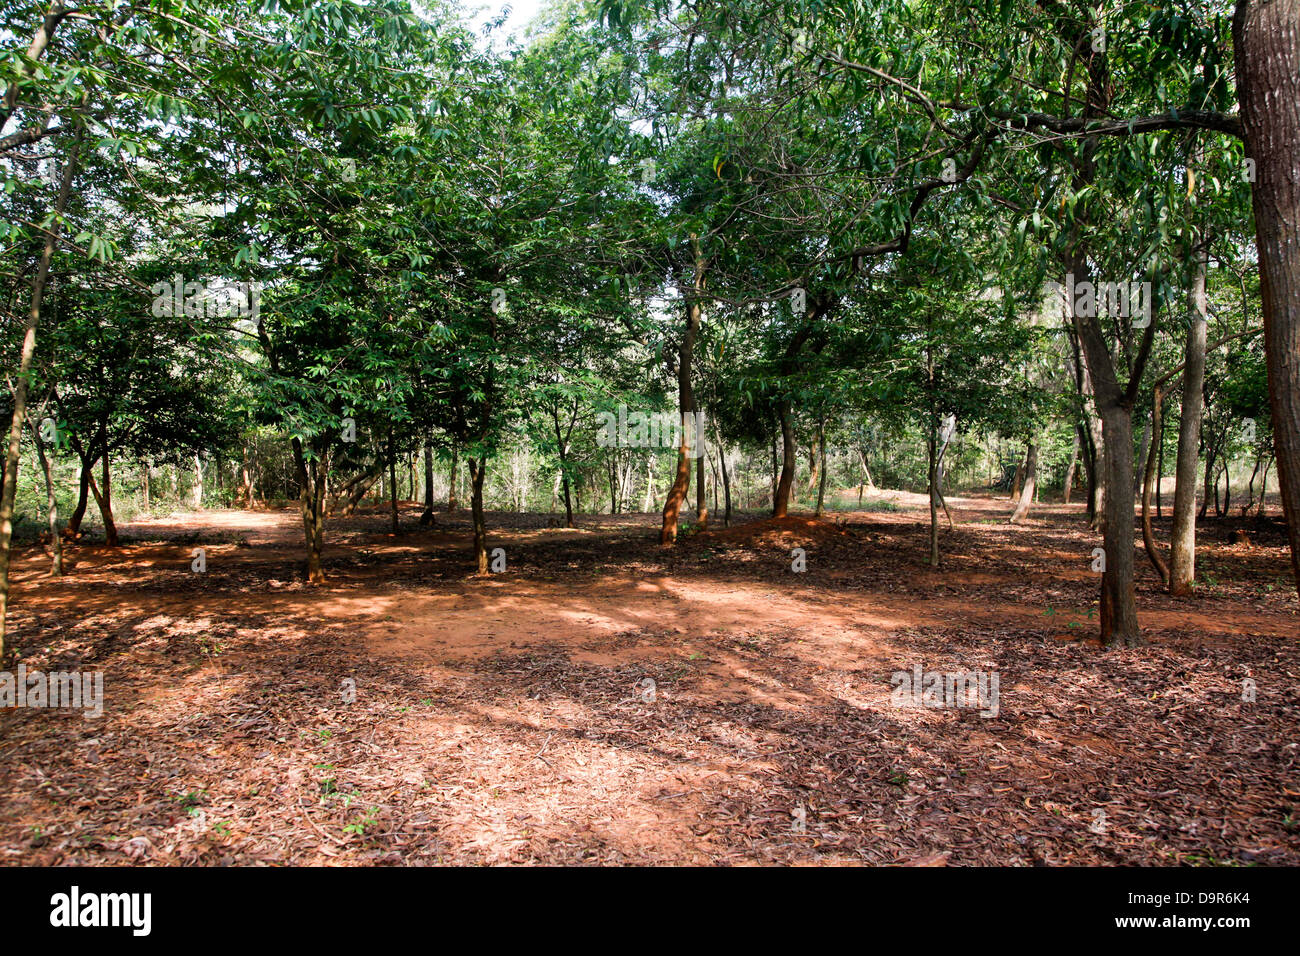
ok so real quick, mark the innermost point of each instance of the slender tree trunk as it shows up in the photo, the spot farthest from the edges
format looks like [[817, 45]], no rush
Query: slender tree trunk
[[1211, 460], [1266, 41], [1031, 481], [701, 498], [1148, 538], [451, 488], [146, 475], [9, 485], [197, 501], [686, 403], [821, 485], [477, 469], [781, 500], [392, 481], [83, 498], [646, 504], [1070, 469], [427, 518], [1143, 447], [726, 486], [104, 498], [52, 510], [1182, 544], [1160, 467], [312, 477], [933, 480], [776, 471], [812, 465]]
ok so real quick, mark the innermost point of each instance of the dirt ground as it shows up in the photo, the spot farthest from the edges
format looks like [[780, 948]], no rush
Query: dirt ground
[[506, 719]]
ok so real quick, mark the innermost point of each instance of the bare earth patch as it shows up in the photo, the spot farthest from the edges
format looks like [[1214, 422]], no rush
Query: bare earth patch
[[501, 719]]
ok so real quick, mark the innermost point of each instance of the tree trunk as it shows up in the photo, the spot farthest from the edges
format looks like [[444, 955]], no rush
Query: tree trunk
[[311, 502], [1143, 447], [104, 498], [9, 485], [1266, 40], [933, 478], [821, 485], [197, 499], [701, 498], [1031, 481], [686, 403], [1071, 469], [392, 481], [83, 498], [1119, 624], [1148, 538], [781, 499], [451, 488], [646, 504], [427, 517], [52, 509], [477, 469], [726, 485]]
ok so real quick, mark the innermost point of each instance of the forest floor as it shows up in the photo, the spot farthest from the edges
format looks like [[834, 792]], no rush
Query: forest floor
[[501, 719]]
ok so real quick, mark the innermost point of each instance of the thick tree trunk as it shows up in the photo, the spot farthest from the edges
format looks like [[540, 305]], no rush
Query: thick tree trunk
[[1266, 40], [1031, 481], [1119, 624], [477, 470]]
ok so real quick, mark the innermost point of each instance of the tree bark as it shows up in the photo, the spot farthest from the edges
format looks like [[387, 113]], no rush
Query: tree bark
[[686, 403], [427, 517], [52, 510], [781, 498], [1266, 41], [1182, 544], [104, 498], [1071, 469], [9, 485], [821, 485], [477, 469], [451, 487], [1031, 480], [933, 478]]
